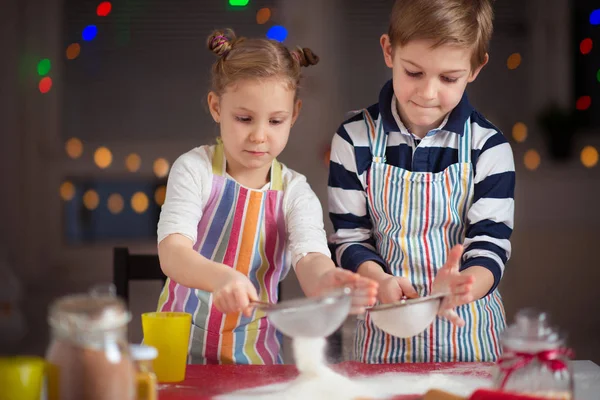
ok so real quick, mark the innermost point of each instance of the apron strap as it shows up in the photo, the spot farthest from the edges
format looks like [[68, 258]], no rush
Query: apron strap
[[377, 137], [464, 143], [219, 167]]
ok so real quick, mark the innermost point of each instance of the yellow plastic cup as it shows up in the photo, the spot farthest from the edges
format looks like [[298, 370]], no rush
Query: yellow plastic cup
[[21, 377], [169, 333]]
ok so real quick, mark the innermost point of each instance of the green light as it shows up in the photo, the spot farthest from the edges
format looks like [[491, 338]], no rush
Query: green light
[[43, 67], [238, 3], [598, 75]]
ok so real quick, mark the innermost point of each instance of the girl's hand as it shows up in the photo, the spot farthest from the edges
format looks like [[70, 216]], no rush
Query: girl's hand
[[364, 290], [393, 288], [234, 294], [459, 287]]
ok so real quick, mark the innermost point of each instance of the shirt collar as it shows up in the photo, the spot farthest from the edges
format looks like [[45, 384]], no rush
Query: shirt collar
[[454, 122]]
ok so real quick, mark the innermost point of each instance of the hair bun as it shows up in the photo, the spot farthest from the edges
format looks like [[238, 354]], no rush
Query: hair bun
[[220, 42], [305, 56]]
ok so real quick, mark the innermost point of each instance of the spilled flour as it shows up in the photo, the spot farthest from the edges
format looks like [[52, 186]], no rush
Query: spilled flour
[[317, 381]]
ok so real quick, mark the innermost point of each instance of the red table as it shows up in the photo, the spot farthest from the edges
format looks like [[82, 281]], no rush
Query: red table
[[206, 381]]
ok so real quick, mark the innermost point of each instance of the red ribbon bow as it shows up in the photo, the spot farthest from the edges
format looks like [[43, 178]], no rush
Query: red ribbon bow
[[518, 360]]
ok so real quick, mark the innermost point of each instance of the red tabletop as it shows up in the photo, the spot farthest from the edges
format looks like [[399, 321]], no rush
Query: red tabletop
[[206, 381]]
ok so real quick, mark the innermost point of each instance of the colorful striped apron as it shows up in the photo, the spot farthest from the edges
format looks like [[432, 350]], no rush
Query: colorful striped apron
[[244, 229], [417, 218]]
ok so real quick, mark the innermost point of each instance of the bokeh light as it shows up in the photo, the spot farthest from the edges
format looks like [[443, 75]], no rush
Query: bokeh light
[[598, 75], [45, 84], [595, 17], [589, 156], [139, 202], [115, 203], [160, 194], [586, 45], [519, 132], [103, 157], [263, 15], [74, 148], [513, 61], [73, 51], [91, 199], [89, 33], [43, 67], [67, 191], [277, 32], [133, 162], [160, 167], [583, 103], [103, 9], [532, 159]]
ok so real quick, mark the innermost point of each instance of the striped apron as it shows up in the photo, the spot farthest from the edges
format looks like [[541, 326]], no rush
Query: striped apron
[[244, 229], [417, 218]]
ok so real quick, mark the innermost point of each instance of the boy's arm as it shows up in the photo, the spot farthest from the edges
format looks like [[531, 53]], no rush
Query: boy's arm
[[491, 216], [352, 241]]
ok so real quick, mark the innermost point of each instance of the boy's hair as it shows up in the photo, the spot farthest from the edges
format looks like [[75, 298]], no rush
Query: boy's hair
[[243, 58], [465, 23]]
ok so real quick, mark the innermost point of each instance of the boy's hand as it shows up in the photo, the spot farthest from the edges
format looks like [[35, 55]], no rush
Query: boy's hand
[[364, 290], [393, 288], [459, 287], [234, 294]]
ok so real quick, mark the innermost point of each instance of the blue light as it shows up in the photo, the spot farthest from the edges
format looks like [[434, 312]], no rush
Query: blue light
[[595, 17], [277, 32], [89, 33]]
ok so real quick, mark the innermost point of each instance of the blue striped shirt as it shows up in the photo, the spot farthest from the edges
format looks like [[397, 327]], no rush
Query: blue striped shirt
[[490, 218]]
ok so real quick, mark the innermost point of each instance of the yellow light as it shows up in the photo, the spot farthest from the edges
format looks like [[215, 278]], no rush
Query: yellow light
[[161, 167], [513, 61], [519, 132], [133, 162], [115, 203], [532, 159], [74, 148], [91, 199], [67, 191], [139, 202], [103, 157], [589, 156], [159, 195]]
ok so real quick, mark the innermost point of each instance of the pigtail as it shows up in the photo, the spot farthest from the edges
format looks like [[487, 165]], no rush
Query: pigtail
[[304, 56], [220, 42]]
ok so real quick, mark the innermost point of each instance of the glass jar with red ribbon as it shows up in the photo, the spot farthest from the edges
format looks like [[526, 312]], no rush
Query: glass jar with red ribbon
[[535, 360]]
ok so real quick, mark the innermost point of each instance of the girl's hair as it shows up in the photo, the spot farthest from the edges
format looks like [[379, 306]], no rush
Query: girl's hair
[[243, 58]]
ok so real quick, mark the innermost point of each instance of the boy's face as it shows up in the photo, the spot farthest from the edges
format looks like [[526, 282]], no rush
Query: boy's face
[[428, 82]]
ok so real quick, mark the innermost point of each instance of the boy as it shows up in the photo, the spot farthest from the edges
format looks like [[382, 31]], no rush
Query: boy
[[421, 174]]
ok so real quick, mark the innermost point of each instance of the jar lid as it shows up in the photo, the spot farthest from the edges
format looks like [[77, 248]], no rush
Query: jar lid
[[532, 331], [141, 352], [96, 311]]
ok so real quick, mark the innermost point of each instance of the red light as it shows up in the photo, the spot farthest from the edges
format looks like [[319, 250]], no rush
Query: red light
[[583, 103], [104, 9], [45, 84], [586, 46]]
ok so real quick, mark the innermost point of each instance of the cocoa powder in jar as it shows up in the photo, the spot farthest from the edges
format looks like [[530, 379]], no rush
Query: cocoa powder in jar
[[88, 355]]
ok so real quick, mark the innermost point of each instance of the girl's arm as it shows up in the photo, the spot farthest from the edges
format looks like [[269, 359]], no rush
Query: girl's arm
[[180, 262], [311, 258]]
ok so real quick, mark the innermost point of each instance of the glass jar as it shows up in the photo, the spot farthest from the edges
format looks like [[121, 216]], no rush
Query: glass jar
[[144, 356], [534, 359], [88, 352]]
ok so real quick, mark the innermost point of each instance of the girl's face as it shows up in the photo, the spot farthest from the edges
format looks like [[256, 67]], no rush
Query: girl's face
[[255, 118]]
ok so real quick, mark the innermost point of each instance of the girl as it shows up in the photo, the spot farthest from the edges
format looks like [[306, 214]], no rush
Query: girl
[[235, 219]]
